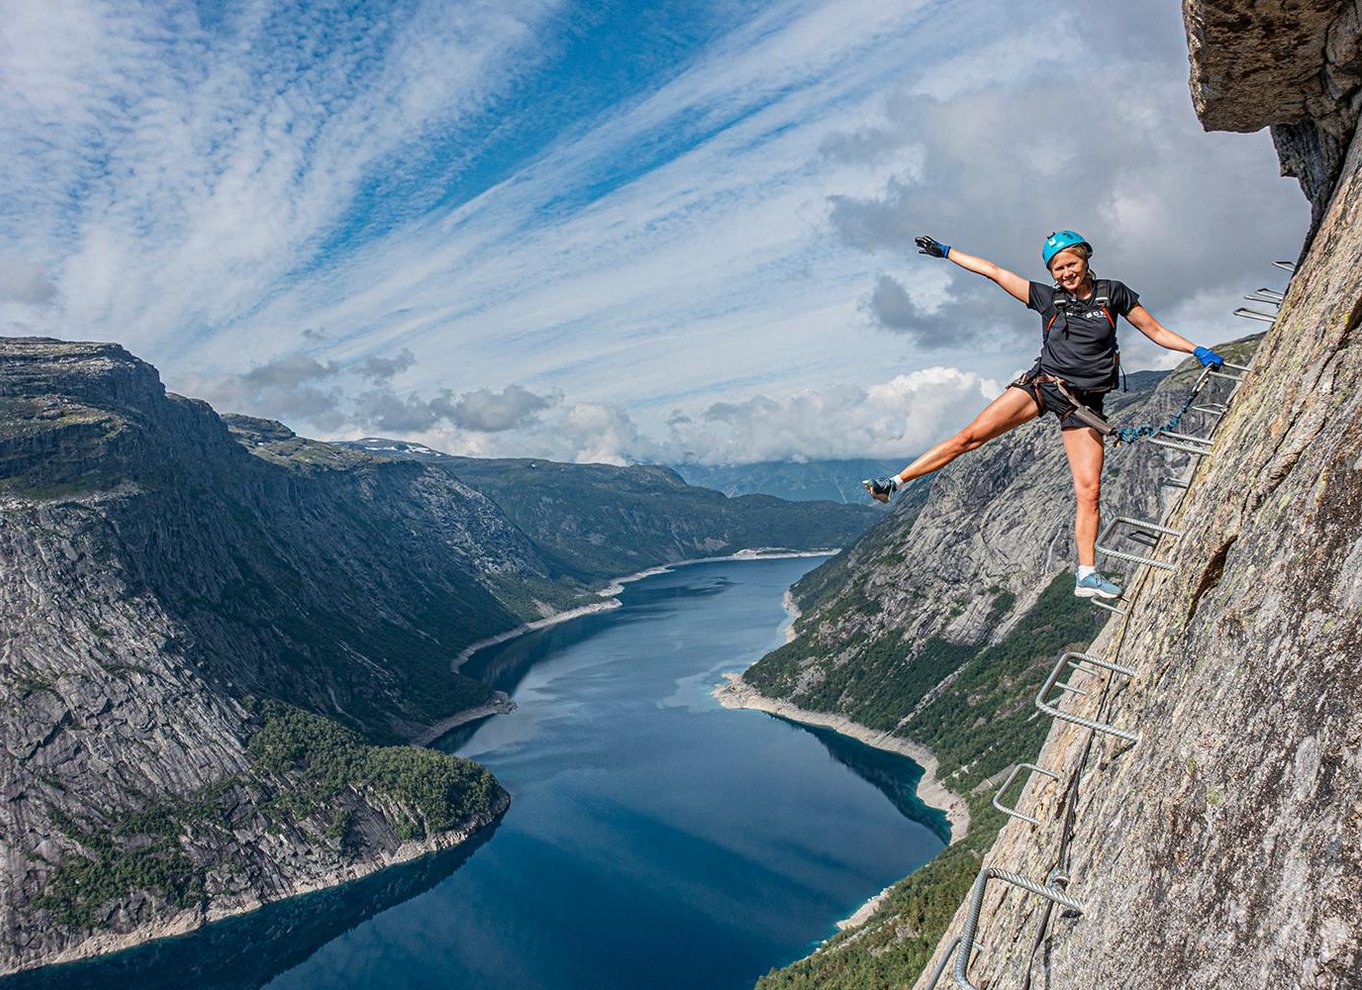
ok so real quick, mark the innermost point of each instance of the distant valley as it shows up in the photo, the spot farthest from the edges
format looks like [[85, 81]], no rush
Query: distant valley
[[219, 636]]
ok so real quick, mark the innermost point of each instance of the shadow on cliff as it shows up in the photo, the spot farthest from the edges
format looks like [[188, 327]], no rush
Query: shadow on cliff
[[886, 771], [247, 952]]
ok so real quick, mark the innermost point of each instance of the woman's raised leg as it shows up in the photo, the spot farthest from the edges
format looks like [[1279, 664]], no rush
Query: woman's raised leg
[[1007, 412]]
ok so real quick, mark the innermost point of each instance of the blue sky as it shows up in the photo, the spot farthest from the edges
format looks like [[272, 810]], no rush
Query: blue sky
[[608, 231]]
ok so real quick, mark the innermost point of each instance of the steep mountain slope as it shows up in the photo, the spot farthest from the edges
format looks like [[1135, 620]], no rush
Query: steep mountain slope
[[155, 577], [1223, 846], [186, 596], [940, 624], [595, 520], [598, 521]]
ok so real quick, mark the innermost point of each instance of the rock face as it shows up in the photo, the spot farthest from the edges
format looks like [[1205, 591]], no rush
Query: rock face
[[1293, 66], [153, 576], [1224, 848], [959, 562], [185, 596]]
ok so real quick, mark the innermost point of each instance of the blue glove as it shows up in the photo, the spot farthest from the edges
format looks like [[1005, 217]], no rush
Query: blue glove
[[931, 247], [1208, 357]]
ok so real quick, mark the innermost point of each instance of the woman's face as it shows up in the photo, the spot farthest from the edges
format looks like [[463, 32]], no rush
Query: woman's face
[[1069, 269]]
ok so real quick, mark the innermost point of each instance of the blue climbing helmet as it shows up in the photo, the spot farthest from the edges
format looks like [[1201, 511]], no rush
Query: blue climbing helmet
[[1059, 241]]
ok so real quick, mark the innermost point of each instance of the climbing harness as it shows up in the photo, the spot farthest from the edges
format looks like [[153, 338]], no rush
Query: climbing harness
[[1122, 434]]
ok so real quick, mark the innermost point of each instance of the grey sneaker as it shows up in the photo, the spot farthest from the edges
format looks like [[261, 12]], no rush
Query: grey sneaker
[[880, 488], [1096, 586]]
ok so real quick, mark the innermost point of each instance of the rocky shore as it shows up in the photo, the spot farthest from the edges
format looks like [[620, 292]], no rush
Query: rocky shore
[[737, 693]]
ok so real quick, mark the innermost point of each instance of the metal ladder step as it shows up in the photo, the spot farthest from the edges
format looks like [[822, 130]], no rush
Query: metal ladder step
[[1141, 526], [1053, 681]]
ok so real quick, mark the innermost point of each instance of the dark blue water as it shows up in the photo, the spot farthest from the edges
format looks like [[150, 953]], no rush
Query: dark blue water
[[654, 838]]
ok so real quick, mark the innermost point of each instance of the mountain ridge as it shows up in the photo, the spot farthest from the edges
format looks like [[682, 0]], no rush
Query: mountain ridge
[[219, 635]]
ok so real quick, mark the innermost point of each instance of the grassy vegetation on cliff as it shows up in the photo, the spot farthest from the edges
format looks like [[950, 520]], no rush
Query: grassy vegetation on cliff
[[139, 852], [302, 768], [979, 725], [437, 792]]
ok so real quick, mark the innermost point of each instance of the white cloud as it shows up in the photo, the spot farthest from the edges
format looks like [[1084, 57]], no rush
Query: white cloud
[[897, 418], [25, 282], [235, 200]]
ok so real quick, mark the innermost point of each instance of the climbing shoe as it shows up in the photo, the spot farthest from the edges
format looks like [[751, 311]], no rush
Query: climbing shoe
[[1096, 586], [881, 488]]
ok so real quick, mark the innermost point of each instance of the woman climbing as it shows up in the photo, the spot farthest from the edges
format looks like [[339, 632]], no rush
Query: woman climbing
[[1078, 365]]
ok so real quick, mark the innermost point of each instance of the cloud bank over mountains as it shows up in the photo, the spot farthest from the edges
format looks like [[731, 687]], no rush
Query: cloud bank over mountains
[[882, 420], [609, 231]]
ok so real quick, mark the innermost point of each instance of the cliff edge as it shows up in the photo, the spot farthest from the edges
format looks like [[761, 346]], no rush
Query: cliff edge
[[1224, 847]]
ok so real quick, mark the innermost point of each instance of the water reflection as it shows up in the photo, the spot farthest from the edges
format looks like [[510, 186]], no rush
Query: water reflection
[[896, 777], [246, 952]]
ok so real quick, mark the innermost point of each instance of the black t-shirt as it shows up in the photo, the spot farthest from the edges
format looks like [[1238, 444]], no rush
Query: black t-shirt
[[1080, 346]]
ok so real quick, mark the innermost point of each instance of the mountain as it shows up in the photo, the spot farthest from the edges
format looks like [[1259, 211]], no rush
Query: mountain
[[829, 480], [939, 626], [598, 521], [1200, 828], [218, 635]]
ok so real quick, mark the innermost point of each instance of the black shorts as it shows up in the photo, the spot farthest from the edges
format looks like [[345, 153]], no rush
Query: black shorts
[[1049, 399]]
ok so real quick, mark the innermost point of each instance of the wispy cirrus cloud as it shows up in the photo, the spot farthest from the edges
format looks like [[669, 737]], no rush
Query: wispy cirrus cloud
[[575, 223]]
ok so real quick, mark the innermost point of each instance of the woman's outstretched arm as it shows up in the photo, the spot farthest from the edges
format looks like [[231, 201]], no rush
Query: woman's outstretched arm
[[1143, 320], [1012, 283]]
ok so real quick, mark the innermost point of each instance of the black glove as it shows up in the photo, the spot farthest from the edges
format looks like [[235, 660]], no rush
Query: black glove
[[932, 247]]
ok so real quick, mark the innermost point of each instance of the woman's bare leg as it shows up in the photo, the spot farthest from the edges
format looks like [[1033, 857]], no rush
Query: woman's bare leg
[[1085, 451], [1007, 412]]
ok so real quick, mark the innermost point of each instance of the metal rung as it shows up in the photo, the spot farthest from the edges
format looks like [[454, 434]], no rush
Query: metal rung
[[1213, 408], [1146, 524], [1286, 266], [976, 904], [1135, 558], [1164, 440], [1252, 314], [1260, 298], [1172, 482], [997, 798], [1186, 438], [1052, 681], [946, 958], [1220, 372], [1271, 293], [1110, 608]]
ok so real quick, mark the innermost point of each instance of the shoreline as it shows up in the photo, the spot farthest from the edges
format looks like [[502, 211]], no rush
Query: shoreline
[[551, 620], [738, 694], [616, 585], [500, 704], [190, 920]]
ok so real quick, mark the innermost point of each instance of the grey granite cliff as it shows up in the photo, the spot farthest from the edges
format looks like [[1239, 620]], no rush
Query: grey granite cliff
[[1295, 67], [1224, 849], [154, 577]]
